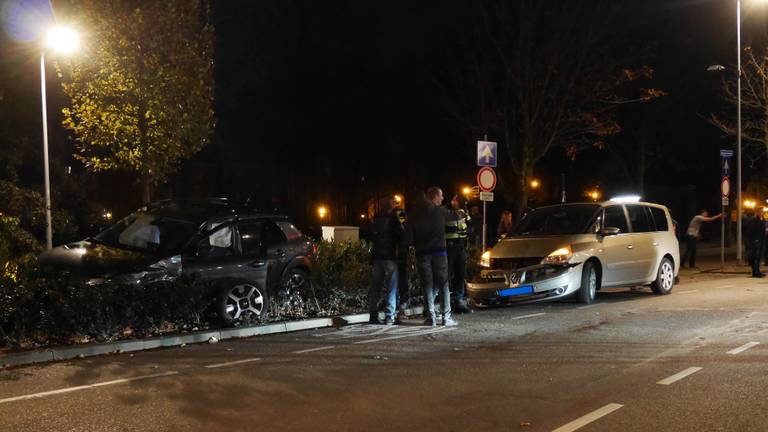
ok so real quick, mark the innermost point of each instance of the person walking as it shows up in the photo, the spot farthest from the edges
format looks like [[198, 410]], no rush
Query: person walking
[[693, 235], [754, 233], [505, 226], [386, 235], [456, 227], [426, 229]]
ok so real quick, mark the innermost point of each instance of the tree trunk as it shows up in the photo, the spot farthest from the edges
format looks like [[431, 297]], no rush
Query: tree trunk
[[146, 189]]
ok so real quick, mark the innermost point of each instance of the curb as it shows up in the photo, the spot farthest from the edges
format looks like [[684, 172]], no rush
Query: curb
[[68, 353]]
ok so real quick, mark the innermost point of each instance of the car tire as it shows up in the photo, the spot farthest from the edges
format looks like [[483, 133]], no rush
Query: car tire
[[240, 302], [588, 290], [665, 278]]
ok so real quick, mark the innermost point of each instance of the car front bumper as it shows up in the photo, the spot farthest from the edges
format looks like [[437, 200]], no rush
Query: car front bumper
[[502, 286]]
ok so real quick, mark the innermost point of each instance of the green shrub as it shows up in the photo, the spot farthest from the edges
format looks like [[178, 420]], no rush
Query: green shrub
[[340, 276]]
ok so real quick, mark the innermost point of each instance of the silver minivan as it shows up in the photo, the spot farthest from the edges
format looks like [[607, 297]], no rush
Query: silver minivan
[[576, 249]]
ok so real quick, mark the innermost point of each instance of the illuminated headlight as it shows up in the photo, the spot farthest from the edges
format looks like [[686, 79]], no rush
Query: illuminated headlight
[[485, 259], [560, 256]]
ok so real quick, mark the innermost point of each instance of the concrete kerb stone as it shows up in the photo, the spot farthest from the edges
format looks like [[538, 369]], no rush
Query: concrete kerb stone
[[67, 353]]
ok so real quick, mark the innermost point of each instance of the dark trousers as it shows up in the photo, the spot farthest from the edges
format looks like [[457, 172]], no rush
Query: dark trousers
[[457, 268], [433, 273], [754, 253], [690, 251], [403, 286]]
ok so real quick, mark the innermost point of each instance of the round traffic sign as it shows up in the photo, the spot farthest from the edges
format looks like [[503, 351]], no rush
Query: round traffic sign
[[486, 179], [725, 187]]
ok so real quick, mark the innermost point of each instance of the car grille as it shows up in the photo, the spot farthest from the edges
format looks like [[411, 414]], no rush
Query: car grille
[[512, 264]]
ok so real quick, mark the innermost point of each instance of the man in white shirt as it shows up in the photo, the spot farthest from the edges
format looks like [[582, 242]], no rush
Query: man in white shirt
[[693, 235]]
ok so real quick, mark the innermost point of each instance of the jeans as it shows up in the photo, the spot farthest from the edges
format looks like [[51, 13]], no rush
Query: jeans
[[384, 275], [690, 251], [433, 273], [457, 268]]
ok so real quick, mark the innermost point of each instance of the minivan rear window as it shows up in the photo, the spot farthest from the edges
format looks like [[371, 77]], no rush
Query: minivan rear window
[[659, 218], [640, 218]]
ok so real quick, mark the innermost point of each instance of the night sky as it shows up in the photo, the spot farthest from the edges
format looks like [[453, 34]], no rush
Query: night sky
[[338, 102]]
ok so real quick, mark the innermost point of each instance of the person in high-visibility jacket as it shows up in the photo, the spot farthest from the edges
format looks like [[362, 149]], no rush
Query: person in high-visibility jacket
[[456, 227]]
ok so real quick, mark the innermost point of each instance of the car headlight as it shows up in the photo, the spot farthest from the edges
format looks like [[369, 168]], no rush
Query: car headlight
[[485, 259], [560, 256]]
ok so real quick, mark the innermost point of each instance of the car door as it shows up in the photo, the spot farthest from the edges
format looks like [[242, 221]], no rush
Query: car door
[[643, 244], [276, 250], [615, 250], [217, 256]]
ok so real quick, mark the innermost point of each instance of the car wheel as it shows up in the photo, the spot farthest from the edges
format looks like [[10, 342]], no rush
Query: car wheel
[[294, 289], [242, 302], [586, 294], [665, 278]]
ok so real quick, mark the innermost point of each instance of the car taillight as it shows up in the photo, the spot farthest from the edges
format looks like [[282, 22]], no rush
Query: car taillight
[[314, 248]]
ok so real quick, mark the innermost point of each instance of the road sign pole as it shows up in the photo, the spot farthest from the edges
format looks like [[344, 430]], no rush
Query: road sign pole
[[485, 225], [722, 237]]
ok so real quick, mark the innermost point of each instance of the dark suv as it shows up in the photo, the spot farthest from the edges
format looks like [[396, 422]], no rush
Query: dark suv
[[244, 255]]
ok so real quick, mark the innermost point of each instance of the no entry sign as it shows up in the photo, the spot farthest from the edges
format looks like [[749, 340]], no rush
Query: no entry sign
[[486, 179]]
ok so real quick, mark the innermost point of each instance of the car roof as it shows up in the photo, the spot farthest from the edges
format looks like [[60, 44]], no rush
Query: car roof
[[602, 204], [202, 210]]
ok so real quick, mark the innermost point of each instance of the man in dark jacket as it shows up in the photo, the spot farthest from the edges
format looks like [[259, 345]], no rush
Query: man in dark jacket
[[754, 232], [386, 235], [426, 229]]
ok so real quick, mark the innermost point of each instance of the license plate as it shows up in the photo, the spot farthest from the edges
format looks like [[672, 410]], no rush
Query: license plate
[[522, 290]]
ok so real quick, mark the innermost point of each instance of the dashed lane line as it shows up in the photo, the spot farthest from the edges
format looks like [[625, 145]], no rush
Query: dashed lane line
[[85, 387], [322, 348], [589, 418], [725, 286], [688, 291], [743, 348], [421, 333], [232, 363], [529, 316], [680, 375]]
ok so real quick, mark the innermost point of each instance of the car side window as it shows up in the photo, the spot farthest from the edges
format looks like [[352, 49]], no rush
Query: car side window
[[639, 218], [218, 244], [251, 239], [273, 235], [290, 231], [659, 218], [614, 218]]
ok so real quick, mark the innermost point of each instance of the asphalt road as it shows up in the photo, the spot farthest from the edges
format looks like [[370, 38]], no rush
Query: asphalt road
[[691, 361]]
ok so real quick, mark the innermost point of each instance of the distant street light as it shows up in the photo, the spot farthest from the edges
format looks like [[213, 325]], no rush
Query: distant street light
[[398, 199], [466, 190], [535, 184], [322, 212], [62, 40], [594, 195]]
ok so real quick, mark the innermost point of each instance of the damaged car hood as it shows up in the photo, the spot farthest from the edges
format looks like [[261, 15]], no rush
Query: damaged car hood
[[91, 258], [540, 246]]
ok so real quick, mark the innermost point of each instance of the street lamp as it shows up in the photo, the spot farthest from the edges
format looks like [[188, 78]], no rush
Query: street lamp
[[535, 184], [322, 212], [65, 41]]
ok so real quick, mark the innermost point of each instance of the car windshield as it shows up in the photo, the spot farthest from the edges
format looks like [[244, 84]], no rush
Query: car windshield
[[146, 232], [557, 220]]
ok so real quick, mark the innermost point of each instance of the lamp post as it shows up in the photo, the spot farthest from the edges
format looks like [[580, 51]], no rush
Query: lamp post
[[738, 132], [63, 40]]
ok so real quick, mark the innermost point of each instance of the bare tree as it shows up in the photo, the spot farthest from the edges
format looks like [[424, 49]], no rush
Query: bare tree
[[540, 75], [754, 103]]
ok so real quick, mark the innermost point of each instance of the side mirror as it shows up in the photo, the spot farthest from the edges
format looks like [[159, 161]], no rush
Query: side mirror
[[609, 231]]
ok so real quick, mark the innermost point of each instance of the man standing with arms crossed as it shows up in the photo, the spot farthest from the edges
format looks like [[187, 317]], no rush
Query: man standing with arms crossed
[[426, 228]]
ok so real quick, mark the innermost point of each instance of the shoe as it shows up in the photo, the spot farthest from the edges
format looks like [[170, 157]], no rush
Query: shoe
[[389, 321], [759, 275], [462, 308], [374, 319], [450, 322], [429, 322]]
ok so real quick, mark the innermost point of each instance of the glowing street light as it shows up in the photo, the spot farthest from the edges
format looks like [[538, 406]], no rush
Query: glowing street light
[[322, 212], [466, 190], [62, 40], [594, 195], [535, 184]]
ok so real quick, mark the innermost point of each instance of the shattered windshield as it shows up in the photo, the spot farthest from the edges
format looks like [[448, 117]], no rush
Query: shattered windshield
[[557, 220], [146, 232]]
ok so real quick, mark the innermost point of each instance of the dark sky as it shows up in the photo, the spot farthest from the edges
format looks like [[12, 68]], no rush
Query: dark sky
[[338, 102]]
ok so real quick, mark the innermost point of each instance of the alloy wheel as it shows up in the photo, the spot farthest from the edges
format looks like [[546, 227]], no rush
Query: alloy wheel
[[244, 300]]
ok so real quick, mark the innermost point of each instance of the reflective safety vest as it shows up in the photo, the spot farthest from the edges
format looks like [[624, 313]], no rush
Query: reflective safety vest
[[456, 225]]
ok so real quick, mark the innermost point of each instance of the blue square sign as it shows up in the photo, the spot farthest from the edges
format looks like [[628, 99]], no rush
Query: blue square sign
[[486, 153]]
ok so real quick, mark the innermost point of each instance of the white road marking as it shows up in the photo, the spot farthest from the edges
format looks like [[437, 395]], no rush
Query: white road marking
[[726, 286], [680, 375], [529, 316], [314, 349], [424, 332], [587, 306], [85, 387], [589, 418], [743, 348], [232, 363], [688, 291]]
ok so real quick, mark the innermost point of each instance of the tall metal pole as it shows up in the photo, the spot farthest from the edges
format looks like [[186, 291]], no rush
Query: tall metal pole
[[485, 208], [738, 134], [48, 226]]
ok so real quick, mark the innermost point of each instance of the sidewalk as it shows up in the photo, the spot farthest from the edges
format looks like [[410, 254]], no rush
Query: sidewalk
[[709, 264]]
